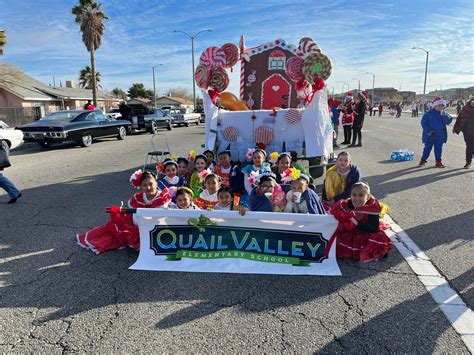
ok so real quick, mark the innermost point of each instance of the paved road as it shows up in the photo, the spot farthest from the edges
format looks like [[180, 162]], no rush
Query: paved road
[[56, 297]]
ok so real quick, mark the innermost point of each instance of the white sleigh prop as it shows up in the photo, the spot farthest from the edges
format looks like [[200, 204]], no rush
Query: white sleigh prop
[[308, 131]]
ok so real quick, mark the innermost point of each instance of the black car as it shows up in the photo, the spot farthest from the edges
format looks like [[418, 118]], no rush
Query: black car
[[81, 126]]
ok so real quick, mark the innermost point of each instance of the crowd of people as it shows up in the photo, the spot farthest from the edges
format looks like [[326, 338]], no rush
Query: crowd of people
[[274, 183], [351, 116]]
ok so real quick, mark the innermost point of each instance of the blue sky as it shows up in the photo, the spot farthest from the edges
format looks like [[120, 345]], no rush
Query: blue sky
[[358, 36]]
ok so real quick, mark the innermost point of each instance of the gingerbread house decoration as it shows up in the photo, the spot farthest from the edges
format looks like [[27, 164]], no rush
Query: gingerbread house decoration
[[264, 83]]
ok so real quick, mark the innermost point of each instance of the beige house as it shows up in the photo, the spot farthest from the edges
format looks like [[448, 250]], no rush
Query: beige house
[[30, 99], [173, 101]]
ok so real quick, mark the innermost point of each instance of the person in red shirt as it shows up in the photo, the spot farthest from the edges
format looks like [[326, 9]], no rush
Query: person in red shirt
[[89, 106]]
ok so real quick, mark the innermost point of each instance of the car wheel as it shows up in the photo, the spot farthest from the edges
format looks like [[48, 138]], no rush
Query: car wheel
[[44, 144], [186, 124], [169, 127], [122, 133], [153, 127], [197, 122], [86, 140]]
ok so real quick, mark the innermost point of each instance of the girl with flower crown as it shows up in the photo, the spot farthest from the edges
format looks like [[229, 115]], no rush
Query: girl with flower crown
[[300, 198], [120, 231], [184, 200], [171, 178], [200, 165], [208, 197], [258, 157]]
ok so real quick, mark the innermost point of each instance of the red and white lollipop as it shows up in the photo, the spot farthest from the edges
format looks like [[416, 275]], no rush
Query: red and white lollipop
[[213, 57]]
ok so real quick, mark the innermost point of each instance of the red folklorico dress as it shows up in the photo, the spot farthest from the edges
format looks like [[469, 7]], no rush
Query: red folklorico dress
[[365, 242], [120, 231]]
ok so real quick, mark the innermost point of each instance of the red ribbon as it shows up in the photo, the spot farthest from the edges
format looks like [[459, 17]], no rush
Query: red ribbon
[[318, 85], [214, 95]]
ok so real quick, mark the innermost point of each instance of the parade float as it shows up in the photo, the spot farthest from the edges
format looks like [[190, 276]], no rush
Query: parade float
[[282, 106], [282, 103]]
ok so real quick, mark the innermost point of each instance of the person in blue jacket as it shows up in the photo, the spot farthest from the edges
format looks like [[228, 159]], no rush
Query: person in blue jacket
[[435, 134]]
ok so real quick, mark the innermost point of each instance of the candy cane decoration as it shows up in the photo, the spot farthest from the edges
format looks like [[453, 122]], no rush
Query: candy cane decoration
[[242, 66], [242, 77]]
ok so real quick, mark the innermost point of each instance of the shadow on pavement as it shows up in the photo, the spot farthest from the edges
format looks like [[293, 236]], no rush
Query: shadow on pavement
[[457, 233], [386, 184], [408, 315]]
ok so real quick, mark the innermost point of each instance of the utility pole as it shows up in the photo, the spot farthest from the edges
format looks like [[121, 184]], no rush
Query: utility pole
[[426, 73], [154, 85], [192, 52]]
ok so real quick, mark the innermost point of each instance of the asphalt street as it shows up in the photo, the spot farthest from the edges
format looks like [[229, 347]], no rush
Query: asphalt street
[[56, 297]]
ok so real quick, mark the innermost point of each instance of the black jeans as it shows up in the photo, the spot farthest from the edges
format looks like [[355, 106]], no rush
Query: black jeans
[[356, 134], [469, 147], [347, 134]]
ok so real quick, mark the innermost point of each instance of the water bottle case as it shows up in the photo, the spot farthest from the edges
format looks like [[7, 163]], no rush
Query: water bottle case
[[402, 155]]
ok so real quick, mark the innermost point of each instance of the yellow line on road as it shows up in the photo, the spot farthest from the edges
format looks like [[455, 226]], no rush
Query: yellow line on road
[[418, 135]]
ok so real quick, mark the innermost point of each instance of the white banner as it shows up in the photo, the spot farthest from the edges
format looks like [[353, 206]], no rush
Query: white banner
[[225, 241]]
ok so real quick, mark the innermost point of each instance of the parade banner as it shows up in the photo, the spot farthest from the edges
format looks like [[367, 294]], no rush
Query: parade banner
[[225, 241]]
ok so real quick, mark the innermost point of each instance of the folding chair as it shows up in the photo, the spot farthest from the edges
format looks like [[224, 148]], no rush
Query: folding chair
[[158, 151]]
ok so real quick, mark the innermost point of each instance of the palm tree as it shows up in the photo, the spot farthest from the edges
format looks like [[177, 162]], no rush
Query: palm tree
[[85, 78], [90, 17], [3, 40]]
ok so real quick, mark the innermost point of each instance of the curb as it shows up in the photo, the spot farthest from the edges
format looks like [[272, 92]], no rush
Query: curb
[[459, 315]]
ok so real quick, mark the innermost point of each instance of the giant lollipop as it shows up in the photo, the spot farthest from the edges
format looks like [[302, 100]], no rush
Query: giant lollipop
[[293, 69], [213, 57], [307, 46], [202, 76], [232, 54], [316, 66], [219, 79]]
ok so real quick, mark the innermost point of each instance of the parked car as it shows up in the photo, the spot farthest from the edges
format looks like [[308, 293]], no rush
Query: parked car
[[81, 126], [152, 120], [201, 112], [167, 109], [185, 116], [114, 113], [13, 138]]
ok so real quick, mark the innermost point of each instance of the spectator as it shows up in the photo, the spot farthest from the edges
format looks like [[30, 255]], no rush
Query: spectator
[[333, 105], [5, 183], [434, 124], [398, 108], [414, 107], [380, 109], [359, 114], [465, 124], [89, 106], [125, 111]]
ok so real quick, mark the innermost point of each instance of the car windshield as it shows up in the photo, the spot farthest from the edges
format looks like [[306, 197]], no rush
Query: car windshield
[[62, 116]]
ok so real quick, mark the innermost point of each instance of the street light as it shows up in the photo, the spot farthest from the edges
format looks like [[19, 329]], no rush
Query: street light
[[343, 85], [426, 72], [373, 86], [192, 52], [329, 86], [357, 81], [154, 86]]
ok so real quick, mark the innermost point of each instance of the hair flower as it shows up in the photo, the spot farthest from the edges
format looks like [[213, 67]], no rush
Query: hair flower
[[136, 179], [192, 155], [204, 173], [250, 152], [273, 157]]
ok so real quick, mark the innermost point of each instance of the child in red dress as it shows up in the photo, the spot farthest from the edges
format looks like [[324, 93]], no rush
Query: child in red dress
[[120, 231], [208, 197], [359, 233]]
